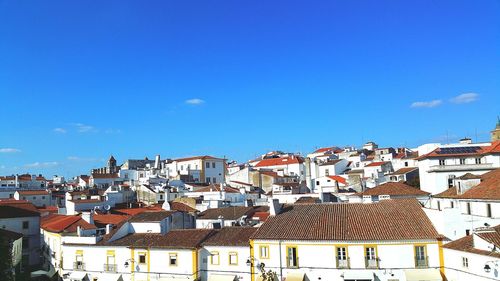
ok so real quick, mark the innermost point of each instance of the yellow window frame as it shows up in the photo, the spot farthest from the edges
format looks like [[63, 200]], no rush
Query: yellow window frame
[[170, 255], [212, 255], [233, 254], [266, 247]]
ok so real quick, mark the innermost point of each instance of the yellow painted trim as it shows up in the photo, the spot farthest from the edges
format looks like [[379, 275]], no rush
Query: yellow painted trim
[[79, 253], [296, 255], [195, 264], [415, 253], [349, 245], [148, 260], [376, 252], [132, 262], [110, 253], [176, 259], [229, 256], [267, 252], [346, 246], [252, 259], [441, 259], [212, 254]]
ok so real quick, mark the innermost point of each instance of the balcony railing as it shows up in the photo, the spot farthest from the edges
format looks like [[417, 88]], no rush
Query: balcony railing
[[78, 265], [421, 262], [343, 263], [110, 267], [464, 167], [371, 262]]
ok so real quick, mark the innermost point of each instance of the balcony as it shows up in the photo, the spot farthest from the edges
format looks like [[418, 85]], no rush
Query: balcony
[[464, 167], [371, 262], [110, 267], [343, 263], [421, 262], [79, 266]]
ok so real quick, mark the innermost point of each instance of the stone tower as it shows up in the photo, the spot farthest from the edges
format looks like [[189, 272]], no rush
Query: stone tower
[[495, 134], [112, 165]]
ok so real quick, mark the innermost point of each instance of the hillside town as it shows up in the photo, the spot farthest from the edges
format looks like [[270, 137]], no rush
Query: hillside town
[[374, 212]]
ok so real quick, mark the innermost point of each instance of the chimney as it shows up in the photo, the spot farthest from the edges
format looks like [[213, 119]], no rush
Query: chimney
[[108, 228], [166, 205], [221, 221], [274, 207], [157, 162], [79, 231], [88, 217]]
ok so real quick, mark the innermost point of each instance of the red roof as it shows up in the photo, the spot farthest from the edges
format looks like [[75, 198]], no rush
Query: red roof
[[135, 211], [325, 149], [62, 223], [216, 188], [339, 179], [33, 192], [104, 219], [375, 164], [280, 161], [204, 157], [23, 204], [104, 176]]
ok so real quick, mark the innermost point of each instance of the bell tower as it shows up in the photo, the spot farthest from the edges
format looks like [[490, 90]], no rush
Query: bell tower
[[495, 134]]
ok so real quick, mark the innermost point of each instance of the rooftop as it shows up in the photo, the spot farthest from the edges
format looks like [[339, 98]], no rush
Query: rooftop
[[231, 236], [394, 189], [175, 239], [401, 219]]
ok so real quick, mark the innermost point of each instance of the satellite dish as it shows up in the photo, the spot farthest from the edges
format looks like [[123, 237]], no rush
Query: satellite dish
[[107, 207]]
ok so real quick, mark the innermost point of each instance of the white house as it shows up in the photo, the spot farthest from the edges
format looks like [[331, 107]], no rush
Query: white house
[[474, 257], [387, 240], [39, 198], [443, 163], [227, 216], [200, 169], [289, 165], [226, 255]]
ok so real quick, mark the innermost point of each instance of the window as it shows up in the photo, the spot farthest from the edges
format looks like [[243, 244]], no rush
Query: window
[[420, 256], [406, 164], [142, 258], [370, 257], [214, 180], [441, 162], [213, 165], [452, 204], [327, 172], [465, 262], [214, 258], [182, 167], [207, 180], [292, 259], [478, 160], [342, 257], [161, 197], [43, 197], [439, 205], [34, 197], [488, 210], [110, 261], [207, 165], [79, 265], [26, 243], [462, 161], [26, 224], [233, 258], [264, 252], [172, 259], [468, 208], [317, 182], [24, 197]]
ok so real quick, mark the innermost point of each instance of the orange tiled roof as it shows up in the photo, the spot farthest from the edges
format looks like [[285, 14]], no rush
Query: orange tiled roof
[[449, 193], [33, 192], [489, 188], [401, 219], [280, 161], [61, 223], [339, 179], [375, 164], [216, 187], [395, 189]]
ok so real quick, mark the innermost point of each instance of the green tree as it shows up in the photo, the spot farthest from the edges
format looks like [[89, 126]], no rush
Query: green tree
[[6, 259]]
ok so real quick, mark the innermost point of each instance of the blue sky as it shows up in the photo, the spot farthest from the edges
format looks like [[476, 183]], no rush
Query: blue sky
[[80, 80]]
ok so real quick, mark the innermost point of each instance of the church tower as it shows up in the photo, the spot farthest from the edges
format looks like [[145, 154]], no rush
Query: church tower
[[111, 164], [495, 134]]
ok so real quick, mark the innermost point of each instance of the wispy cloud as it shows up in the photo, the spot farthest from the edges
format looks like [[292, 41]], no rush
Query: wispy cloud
[[195, 101], [428, 104], [465, 98], [59, 130], [41, 165], [9, 150], [112, 131], [83, 128]]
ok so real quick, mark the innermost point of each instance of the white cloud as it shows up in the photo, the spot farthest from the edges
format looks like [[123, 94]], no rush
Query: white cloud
[[195, 101], [9, 150], [112, 131], [465, 98], [83, 128], [429, 104], [60, 130], [41, 164]]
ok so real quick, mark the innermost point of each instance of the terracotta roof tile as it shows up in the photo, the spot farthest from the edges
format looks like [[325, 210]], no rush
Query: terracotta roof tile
[[403, 171], [151, 216], [466, 244], [231, 236], [33, 192], [401, 219], [62, 223], [174, 239], [229, 213], [280, 161], [489, 188], [375, 164], [339, 179], [394, 188], [449, 193]]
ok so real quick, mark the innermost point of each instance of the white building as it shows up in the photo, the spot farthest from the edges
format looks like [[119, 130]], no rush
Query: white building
[[289, 165], [40, 198], [474, 257], [387, 240], [199, 169], [227, 216], [226, 255], [440, 164]]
